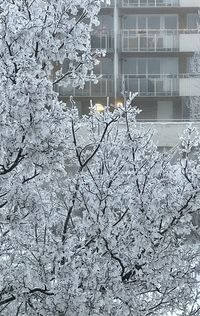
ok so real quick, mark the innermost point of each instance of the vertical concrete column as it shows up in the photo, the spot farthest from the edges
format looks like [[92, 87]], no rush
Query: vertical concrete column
[[116, 28]]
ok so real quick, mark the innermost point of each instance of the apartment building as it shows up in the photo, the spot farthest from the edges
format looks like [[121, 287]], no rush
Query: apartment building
[[149, 46]]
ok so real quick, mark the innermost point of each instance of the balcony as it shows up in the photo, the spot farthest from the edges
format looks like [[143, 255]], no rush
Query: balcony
[[163, 85], [149, 40], [158, 3], [151, 85], [104, 88], [148, 3], [103, 39]]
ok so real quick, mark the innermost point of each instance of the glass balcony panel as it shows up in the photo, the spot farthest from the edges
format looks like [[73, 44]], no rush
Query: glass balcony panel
[[143, 43], [150, 3], [103, 40], [95, 41], [159, 43], [192, 21], [133, 44], [125, 46], [131, 83], [143, 3], [110, 87], [98, 89], [159, 87], [82, 92], [143, 86], [154, 85], [151, 44], [169, 42], [151, 86], [154, 41]]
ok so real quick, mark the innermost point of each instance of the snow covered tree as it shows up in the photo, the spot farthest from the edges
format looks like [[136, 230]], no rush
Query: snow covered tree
[[93, 219]]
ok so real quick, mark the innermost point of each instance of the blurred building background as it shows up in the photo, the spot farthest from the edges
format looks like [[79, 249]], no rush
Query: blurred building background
[[150, 45]]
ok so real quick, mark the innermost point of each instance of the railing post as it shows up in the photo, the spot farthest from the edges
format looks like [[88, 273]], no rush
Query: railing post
[[138, 42], [139, 85], [171, 86]]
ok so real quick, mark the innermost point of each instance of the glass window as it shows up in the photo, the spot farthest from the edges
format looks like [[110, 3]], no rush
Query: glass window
[[171, 22], [129, 66], [106, 22], [107, 66], [95, 41], [154, 22], [169, 66], [151, 3], [141, 66], [151, 86], [154, 66], [143, 43], [129, 22], [151, 43], [133, 43], [141, 22], [143, 86], [133, 3], [65, 66], [125, 44], [192, 21], [133, 85]]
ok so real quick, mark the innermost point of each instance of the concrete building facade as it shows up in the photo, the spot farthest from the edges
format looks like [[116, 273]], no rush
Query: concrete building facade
[[149, 46]]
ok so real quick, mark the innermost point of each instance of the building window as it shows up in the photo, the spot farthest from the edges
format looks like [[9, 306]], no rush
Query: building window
[[150, 22], [150, 66], [105, 67], [192, 21]]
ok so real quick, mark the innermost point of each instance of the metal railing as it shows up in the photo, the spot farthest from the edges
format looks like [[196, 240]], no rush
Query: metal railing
[[103, 40], [149, 40], [147, 85], [151, 84], [148, 3], [105, 5], [104, 87]]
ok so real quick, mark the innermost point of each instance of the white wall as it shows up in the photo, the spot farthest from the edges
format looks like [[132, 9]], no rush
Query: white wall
[[189, 42], [189, 87], [164, 110], [168, 133], [189, 3]]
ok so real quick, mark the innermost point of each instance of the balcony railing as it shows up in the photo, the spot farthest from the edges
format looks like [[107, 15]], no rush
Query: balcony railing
[[104, 87], [103, 40], [149, 3], [105, 5], [149, 40], [147, 85], [158, 3], [151, 85]]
